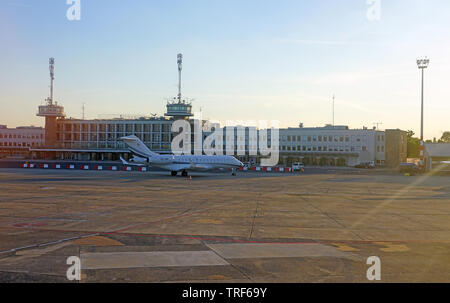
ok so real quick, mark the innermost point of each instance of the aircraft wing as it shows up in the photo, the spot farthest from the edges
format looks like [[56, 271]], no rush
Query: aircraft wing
[[129, 163]]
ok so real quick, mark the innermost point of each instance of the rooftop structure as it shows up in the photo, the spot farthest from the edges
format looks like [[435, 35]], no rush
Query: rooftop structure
[[178, 107], [51, 110]]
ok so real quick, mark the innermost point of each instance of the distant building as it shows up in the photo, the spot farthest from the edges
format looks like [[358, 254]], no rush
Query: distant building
[[18, 141], [435, 153], [332, 145], [396, 147]]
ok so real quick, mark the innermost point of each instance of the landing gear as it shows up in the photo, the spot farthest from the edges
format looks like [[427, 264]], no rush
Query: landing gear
[[184, 173], [173, 173], [233, 171]]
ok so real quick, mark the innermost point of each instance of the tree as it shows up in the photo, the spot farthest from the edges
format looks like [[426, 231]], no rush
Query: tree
[[413, 145], [445, 137]]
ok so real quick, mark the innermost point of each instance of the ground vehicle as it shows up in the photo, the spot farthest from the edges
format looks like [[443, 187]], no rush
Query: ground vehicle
[[409, 168], [298, 166], [369, 164]]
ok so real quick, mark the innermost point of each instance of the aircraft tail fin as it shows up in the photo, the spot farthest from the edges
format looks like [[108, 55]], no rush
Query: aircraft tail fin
[[138, 147]]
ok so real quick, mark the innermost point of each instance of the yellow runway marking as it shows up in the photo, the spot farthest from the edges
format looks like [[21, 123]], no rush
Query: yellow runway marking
[[343, 247], [392, 247]]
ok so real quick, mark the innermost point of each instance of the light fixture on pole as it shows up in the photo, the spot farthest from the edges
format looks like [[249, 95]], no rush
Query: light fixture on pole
[[422, 64]]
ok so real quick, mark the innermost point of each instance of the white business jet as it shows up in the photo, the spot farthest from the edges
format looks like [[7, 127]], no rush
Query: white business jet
[[143, 156]]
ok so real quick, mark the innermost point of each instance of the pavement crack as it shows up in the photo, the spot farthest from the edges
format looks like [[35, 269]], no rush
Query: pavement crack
[[254, 218]]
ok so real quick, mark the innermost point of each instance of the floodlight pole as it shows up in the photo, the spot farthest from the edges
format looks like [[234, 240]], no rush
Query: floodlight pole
[[422, 64]]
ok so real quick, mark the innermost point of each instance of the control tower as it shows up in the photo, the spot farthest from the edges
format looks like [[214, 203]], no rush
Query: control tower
[[51, 111], [178, 107]]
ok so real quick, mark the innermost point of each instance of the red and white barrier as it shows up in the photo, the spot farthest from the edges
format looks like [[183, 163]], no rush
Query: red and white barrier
[[280, 169]]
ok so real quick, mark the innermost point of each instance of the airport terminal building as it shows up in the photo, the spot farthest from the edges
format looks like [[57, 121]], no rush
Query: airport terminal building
[[98, 139]]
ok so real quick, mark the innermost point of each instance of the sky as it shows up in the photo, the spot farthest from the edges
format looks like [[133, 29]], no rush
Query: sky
[[243, 60]]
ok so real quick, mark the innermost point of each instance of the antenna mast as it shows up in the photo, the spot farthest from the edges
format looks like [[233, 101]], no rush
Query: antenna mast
[[180, 67], [51, 62], [377, 124]]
